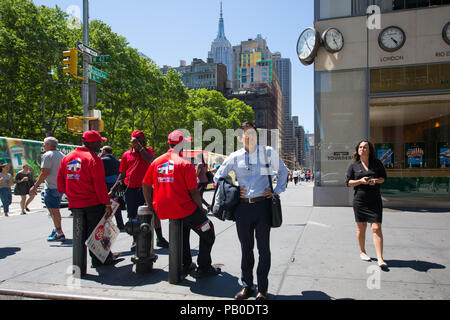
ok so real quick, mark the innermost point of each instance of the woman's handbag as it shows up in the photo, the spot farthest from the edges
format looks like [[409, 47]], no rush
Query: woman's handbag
[[277, 217]]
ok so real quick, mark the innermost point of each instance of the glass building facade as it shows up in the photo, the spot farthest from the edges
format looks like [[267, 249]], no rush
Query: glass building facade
[[398, 100]]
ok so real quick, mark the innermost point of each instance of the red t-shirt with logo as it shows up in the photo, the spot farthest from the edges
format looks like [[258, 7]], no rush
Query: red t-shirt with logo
[[172, 177], [135, 167], [81, 176]]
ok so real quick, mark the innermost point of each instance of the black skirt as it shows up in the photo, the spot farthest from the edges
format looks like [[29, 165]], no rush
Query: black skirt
[[368, 208]]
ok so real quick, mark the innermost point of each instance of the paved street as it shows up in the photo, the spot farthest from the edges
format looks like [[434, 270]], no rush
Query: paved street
[[315, 256]]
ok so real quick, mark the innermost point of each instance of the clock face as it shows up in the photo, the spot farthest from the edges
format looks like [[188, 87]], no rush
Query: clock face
[[446, 33], [333, 40], [391, 39], [307, 46]]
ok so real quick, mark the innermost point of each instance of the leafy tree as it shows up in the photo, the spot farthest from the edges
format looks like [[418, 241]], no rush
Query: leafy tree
[[36, 96]]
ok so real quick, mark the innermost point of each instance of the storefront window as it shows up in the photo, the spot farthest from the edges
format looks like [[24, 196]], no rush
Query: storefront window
[[341, 121], [411, 78], [345, 8], [411, 134], [342, 8], [391, 5]]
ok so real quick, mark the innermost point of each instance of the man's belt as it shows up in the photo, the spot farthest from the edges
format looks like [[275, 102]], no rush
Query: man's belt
[[252, 200]]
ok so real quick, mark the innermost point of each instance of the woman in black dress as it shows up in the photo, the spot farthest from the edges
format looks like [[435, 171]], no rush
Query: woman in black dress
[[24, 181], [365, 174]]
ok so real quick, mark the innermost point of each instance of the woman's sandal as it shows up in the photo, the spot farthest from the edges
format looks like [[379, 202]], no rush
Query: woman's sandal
[[364, 257], [383, 266]]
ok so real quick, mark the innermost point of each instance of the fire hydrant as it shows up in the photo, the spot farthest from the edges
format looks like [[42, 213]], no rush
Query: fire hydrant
[[142, 229]]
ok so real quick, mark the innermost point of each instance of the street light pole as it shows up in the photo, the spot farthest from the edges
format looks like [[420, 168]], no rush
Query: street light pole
[[85, 86]]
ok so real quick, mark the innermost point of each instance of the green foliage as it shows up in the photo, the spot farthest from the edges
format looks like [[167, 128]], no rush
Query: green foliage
[[36, 96]]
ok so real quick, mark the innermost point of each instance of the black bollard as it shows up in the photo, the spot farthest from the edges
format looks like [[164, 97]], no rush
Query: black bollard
[[79, 259], [175, 251]]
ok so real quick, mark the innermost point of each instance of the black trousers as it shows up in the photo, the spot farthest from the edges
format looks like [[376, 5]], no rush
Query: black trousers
[[201, 225], [134, 198], [93, 216], [202, 188], [253, 221]]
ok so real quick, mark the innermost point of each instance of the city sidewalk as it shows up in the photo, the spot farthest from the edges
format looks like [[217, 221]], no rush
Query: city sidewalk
[[14, 208], [315, 256]]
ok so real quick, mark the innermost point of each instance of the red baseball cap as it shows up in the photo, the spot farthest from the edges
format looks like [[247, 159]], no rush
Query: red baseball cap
[[177, 137], [137, 133], [92, 136]]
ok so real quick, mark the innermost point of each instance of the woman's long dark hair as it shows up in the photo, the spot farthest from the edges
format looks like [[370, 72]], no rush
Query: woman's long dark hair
[[372, 155]]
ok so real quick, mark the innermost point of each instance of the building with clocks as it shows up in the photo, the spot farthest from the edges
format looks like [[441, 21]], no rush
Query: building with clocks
[[382, 72]]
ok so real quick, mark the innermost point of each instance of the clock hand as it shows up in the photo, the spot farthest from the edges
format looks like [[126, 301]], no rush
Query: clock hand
[[308, 46]]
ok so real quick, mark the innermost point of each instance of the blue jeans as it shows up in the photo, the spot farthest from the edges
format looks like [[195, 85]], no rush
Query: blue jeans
[[6, 197]]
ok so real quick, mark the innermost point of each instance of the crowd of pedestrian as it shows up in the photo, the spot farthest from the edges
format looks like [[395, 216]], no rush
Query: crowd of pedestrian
[[173, 187], [300, 175]]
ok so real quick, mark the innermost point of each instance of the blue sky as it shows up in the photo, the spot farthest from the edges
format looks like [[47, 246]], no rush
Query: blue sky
[[172, 30]]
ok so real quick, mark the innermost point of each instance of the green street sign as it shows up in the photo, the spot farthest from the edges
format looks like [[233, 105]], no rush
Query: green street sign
[[94, 77], [99, 59], [98, 72]]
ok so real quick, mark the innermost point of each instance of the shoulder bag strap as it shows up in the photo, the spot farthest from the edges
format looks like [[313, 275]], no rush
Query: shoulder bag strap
[[269, 176]]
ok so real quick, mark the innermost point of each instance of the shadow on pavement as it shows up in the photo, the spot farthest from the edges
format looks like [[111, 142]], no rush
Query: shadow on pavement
[[308, 295], [65, 243], [125, 277], [8, 251], [221, 286], [421, 266]]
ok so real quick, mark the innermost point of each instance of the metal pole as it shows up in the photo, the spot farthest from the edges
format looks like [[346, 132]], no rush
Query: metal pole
[[85, 87], [79, 258], [175, 250]]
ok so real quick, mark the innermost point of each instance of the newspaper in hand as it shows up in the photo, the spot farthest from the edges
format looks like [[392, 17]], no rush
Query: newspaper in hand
[[104, 235]]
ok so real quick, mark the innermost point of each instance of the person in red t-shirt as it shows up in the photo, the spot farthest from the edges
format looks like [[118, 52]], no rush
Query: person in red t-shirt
[[133, 165], [81, 177], [173, 182]]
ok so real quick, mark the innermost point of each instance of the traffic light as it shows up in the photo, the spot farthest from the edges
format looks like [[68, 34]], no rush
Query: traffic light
[[97, 125], [75, 124], [71, 62]]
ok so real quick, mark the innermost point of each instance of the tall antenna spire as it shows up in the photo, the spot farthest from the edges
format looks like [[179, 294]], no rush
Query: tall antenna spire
[[221, 33]]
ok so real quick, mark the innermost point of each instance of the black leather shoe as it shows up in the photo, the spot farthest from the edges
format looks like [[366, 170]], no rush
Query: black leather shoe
[[111, 260], [261, 296], [245, 293], [162, 243], [211, 271], [187, 269]]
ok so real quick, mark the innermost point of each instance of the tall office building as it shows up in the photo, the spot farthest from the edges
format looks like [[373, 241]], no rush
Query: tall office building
[[388, 83], [221, 47], [256, 83], [252, 64], [200, 74], [300, 138], [283, 69]]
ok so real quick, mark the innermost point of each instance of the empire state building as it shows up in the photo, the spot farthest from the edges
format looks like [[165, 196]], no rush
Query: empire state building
[[221, 50]]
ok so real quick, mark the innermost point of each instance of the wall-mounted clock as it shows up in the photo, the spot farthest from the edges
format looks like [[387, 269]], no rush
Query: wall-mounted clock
[[391, 39], [446, 33], [307, 45], [333, 40]]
